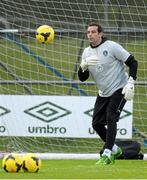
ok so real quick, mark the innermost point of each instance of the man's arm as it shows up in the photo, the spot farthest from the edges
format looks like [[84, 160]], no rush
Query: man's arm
[[133, 65], [128, 90], [83, 72]]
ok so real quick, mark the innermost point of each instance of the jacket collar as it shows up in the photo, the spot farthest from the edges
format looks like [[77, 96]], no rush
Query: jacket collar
[[103, 40]]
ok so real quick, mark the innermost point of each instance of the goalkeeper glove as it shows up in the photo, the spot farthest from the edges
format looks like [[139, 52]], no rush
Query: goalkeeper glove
[[88, 62], [128, 90]]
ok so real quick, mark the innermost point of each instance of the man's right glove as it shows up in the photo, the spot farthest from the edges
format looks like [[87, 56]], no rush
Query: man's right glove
[[128, 90], [92, 61]]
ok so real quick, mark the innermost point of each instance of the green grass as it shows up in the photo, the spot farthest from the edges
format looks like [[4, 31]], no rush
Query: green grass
[[84, 169]]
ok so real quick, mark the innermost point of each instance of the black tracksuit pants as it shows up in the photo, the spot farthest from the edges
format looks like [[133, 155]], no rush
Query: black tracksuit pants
[[107, 112]]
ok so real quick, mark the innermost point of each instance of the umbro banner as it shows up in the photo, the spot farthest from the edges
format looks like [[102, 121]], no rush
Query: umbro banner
[[55, 116]]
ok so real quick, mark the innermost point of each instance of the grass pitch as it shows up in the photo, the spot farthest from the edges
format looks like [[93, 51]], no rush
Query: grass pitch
[[83, 169]]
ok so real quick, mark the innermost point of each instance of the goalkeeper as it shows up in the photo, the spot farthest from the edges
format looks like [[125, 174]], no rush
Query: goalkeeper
[[105, 60]]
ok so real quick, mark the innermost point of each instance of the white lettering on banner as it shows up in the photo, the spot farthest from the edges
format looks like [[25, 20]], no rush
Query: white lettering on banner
[[55, 116]]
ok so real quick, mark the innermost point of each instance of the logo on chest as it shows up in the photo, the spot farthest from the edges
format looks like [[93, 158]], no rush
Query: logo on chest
[[99, 68], [105, 53]]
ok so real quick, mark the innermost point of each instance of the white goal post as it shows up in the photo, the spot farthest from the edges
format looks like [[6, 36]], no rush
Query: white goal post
[[30, 69]]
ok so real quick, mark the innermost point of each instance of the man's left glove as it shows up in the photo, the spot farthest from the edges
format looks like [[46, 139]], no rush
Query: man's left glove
[[128, 90]]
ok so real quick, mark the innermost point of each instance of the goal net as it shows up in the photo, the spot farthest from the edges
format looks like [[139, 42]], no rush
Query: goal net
[[39, 87]]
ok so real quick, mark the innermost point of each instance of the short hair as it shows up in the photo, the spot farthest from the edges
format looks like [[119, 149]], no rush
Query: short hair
[[99, 27]]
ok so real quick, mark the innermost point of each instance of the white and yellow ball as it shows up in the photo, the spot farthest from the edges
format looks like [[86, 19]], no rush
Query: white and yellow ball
[[31, 163], [45, 34], [12, 162]]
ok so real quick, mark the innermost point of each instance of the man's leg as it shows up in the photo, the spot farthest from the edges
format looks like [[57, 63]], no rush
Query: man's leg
[[114, 109], [99, 117], [99, 122]]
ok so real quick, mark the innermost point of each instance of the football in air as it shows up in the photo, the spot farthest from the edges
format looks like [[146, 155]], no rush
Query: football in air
[[45, 34]]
